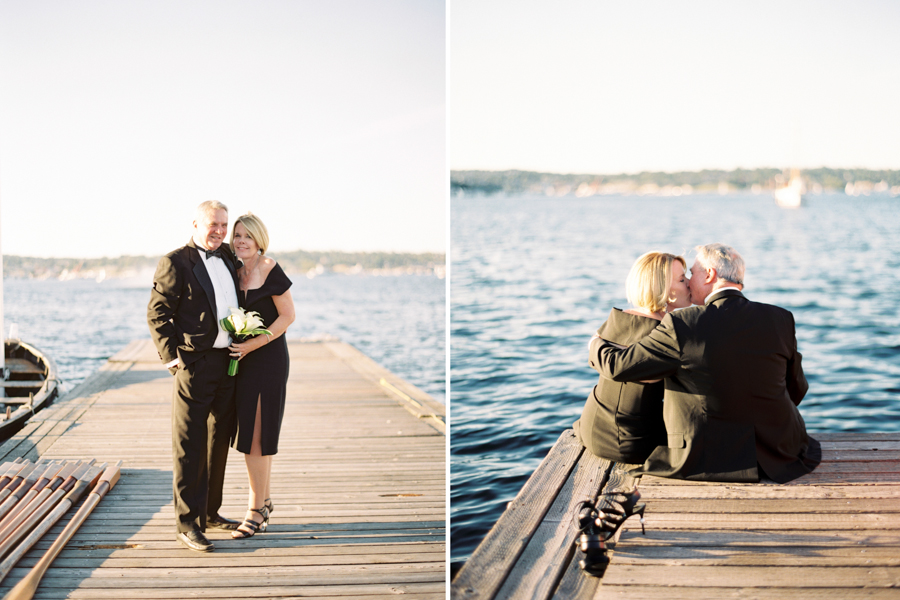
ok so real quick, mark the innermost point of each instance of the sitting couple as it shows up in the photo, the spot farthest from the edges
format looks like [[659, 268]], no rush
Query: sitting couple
[[193, 290], [707, 393]]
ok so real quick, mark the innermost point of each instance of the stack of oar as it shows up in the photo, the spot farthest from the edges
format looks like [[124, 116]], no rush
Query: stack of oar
[[33, 497]]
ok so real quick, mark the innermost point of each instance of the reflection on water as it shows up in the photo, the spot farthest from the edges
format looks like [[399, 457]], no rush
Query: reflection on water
[[533, 278]]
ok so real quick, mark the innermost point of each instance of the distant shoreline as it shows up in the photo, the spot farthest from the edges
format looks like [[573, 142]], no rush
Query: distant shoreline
[[853, 182], [298, 262]]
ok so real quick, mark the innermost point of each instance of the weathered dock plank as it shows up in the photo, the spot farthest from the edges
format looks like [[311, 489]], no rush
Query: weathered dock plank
[[550, 549], [312, 590], [834, 533], [496, 556], [358, 486]]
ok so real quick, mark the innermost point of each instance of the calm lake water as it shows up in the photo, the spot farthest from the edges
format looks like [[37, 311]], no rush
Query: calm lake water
[[533, 278], [399, 321]]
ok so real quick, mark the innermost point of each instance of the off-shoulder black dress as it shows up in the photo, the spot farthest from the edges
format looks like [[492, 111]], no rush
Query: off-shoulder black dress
[[623, 421], [262, 373]]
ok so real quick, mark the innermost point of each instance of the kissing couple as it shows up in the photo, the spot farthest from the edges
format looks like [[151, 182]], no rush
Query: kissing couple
[[708, 392]]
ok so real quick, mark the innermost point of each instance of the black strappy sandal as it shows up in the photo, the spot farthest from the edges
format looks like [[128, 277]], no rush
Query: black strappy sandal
[[251, 527], [614, 508], [590, 542]]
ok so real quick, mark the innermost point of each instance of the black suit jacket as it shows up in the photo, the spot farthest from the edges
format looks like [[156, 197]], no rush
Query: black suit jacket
[[182, 311], [733, 383]]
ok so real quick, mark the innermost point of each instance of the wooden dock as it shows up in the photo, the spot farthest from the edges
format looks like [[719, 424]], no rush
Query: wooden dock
[[358, 487], [834, 533]]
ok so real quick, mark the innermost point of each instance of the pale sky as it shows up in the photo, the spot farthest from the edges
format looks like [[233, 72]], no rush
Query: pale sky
[[612, 87], [325, 118]]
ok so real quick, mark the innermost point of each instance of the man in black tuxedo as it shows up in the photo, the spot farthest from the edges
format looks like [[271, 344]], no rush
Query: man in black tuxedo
[[733, 381], [193, 289]]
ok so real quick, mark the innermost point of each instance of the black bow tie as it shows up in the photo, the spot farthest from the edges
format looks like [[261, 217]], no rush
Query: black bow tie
[[211, 253]]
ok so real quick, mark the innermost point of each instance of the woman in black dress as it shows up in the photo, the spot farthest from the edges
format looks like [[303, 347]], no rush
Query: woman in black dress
[[623, 422], [262, 375]]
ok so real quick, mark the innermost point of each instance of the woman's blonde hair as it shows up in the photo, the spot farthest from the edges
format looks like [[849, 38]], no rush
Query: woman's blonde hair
[[648, 281], [255, 228]]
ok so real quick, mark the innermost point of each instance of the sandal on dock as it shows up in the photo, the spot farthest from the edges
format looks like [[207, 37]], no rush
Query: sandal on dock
[[614, 508], [591, 542], [249, 527]]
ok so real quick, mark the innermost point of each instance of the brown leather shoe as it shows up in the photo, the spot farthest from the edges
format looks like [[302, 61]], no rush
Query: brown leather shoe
[[220, 522], [195, 540]]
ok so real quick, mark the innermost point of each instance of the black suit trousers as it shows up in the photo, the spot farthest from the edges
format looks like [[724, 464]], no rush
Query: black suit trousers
[[203, 414]]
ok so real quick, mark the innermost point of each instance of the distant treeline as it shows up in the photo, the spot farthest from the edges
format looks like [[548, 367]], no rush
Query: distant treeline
[[298, 261], [520, 182]]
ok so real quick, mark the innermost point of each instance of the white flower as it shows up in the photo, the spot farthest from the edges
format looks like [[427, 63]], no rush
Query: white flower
[[242, 323], [237, 319], [253, 321]]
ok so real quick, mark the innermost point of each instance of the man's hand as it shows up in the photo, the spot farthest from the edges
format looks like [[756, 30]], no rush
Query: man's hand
[[173, 366]]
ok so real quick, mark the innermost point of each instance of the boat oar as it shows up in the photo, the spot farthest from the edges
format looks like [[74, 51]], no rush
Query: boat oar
[[20, 490], [26, 588], [41, 525], [82, 472], [15, 518], [43, 479], [9, 465], [10, 470], [68, 472], [16, 480], [21, 470]]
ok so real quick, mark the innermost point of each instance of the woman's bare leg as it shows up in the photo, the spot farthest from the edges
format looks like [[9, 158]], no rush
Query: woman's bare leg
[[257, 464], [258, 467], [269, 477]]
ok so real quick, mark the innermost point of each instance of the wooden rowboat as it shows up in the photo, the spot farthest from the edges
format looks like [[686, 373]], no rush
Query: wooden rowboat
[[31, 383]]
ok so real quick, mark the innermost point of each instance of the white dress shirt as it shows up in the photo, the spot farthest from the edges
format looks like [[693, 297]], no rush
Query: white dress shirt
[[226, 297]]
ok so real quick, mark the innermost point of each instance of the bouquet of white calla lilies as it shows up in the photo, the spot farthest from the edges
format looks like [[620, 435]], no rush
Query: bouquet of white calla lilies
[[242, 325]]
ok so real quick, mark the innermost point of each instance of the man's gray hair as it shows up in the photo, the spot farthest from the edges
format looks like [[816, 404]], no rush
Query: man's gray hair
[[729, 265], [209, 207]]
